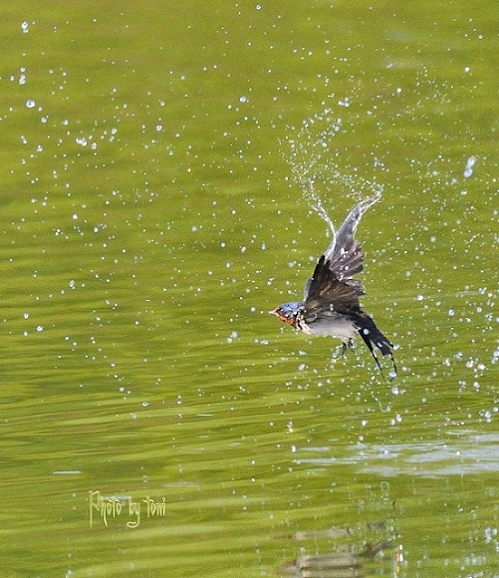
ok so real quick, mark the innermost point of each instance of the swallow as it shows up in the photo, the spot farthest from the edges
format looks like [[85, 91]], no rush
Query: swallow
[[330, 305]]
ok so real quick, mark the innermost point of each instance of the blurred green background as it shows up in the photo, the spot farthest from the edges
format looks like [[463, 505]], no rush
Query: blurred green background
[[158, 168]]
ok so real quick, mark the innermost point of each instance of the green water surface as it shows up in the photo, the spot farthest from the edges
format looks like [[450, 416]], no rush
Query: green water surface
[[159, 163]]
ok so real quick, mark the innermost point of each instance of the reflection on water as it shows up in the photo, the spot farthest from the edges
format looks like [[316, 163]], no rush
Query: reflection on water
[[457, 455], [351, 553]]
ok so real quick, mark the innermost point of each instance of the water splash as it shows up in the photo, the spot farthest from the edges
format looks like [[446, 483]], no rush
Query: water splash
[[313, 159]]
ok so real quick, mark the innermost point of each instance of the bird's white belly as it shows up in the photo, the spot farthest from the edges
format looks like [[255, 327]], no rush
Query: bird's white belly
[[339, 327]]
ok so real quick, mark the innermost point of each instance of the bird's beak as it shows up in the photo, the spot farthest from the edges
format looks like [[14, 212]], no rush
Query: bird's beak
[[274, 311]]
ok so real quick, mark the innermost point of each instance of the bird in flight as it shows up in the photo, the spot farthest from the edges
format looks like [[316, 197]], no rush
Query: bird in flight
[[330, 305]]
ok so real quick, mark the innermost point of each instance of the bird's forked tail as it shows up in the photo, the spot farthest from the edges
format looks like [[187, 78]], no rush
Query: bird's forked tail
[[375, 341]]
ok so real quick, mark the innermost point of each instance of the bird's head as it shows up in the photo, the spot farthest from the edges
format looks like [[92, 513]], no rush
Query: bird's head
[[287, 312]]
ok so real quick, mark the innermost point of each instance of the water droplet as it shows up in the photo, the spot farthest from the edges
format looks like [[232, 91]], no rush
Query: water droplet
[[468, 169]]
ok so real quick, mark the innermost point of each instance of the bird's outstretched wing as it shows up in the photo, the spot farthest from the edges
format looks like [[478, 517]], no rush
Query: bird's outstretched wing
[[332, 286], [326, 293]]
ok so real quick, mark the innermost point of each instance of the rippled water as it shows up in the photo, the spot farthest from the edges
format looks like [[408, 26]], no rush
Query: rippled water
[[160, 171]]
